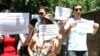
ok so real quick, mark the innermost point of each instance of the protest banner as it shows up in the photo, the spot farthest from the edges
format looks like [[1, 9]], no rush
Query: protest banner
[[62, 13], [14, 23], [85, 26], [47, 32]]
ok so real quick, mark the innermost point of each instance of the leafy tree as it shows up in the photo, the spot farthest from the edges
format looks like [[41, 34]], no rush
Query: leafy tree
[[33, 5]]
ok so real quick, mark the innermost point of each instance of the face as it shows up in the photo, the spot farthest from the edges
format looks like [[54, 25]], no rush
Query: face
[[77, 10], [42, 12]]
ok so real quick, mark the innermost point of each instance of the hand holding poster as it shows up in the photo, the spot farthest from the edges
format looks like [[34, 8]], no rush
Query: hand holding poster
[[48, 32], [62, 13], [14, 23]]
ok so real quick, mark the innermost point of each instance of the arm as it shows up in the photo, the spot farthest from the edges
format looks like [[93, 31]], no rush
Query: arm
[[69, 24], [62, 30], [31, 44], [26, 40], [95, 27], [22, 38], [57, 44], [1, 38]]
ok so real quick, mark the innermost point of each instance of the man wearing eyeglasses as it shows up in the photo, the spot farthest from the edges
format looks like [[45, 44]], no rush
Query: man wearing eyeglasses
[[77, 37]]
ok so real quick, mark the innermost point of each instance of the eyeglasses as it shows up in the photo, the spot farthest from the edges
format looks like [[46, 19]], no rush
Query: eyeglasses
[[41, 13], [78, 9]]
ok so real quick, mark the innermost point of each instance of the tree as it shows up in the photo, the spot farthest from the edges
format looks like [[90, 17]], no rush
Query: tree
[[33, 5]]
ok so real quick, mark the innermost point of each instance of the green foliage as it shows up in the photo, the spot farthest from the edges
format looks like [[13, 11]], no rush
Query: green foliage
[[32, 6]]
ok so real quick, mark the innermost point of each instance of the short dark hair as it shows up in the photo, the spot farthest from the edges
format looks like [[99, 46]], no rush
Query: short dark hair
[[33, 22], [77, 4], [45, 8]]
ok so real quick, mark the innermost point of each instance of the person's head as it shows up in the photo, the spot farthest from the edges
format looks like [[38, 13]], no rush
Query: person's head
[[43, 11], [33, 22], [77, 8], [48, 19], [5, 11]]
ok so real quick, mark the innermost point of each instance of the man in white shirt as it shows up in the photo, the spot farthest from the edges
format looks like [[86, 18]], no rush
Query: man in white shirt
[[77, 38]]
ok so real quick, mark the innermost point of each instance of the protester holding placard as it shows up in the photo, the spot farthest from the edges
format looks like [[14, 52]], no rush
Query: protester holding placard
[[23, 50], [49, 46], [77, 28], [62, 14], [9, 42]]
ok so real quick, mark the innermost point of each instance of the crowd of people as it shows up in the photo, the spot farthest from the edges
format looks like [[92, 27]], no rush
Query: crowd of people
[[33, 45]]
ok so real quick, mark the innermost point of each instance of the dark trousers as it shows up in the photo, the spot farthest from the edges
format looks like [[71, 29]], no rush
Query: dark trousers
[[63, 51], [23, 51], [77, 53]]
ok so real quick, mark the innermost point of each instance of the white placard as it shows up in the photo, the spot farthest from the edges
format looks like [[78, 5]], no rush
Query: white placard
[[62, 13], [14, 23], [48, 32], [35, 16], [84, 26]]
